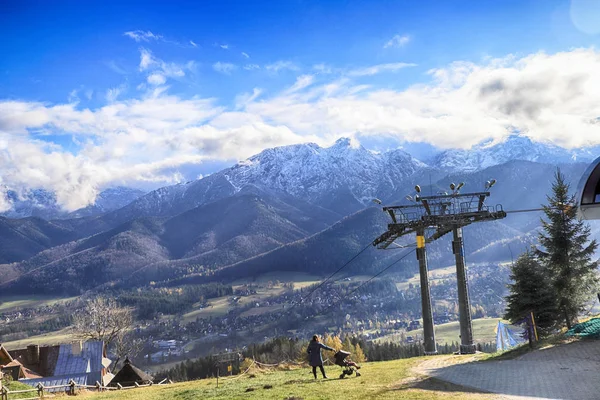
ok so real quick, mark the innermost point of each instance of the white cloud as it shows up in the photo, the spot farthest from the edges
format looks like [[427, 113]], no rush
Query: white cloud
[[89, 94], [397, 41], [224, 68], [146, 59], [547, 97], [281, 65], [113, 93], [73, 97], [148, 36], [5, 203], [156, 79], [323, 68], [224, 46], [246, 98], [245, 55], [160, 70], [250, 67], [142, 36], [379, 68], [302, 82], [551, 97]]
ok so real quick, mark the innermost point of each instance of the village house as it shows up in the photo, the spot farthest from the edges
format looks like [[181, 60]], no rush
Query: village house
[[85, 363]]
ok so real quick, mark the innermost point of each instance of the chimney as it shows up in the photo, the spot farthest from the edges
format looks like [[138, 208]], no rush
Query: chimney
[[77, 348], [33, 354]]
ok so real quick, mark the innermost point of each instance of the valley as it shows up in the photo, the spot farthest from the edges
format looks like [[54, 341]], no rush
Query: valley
[[235, 258]]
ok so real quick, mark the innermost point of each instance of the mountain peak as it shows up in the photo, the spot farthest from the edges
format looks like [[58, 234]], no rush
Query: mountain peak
[[346, 142]]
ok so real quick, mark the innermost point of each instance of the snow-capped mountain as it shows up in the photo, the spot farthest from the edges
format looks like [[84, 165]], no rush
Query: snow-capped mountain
[[514, 147], [342, 178], [42, 203], [312, 172], [33, 203], [109, 200]]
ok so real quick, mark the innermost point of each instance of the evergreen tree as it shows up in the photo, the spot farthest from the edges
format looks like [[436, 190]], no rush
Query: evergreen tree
[[567, 253], [348, 346], [531, 290], [359, 355]]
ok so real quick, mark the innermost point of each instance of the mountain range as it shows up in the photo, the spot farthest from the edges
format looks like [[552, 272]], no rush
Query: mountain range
[[42, 203], [300, 207]]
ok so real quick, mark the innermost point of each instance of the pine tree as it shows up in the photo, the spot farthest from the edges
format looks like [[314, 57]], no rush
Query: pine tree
[[359, 355], [567, 252], [531, 290], [348, 346]]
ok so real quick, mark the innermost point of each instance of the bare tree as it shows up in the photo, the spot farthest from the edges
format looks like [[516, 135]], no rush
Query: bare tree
[[126, 345], [102, 319]]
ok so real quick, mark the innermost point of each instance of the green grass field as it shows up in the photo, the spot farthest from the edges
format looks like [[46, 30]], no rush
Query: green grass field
[[382, 380], [221, 306], [13, 303], [12, 386], [300, 279], [58, 337], [484, 331]]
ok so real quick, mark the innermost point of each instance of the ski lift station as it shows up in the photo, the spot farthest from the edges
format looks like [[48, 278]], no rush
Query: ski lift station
[[588, 197]]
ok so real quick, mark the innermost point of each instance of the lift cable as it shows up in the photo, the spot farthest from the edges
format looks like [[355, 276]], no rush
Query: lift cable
[[334, 273], [368, 280]]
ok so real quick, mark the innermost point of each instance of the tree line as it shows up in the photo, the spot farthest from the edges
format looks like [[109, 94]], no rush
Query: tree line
[[151, 301], [293, 350]]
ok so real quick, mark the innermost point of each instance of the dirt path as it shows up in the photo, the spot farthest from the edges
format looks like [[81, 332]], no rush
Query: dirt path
[[569, 372]]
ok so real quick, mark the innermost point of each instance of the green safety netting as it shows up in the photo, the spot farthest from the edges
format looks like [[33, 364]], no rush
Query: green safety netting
[[588, 329]]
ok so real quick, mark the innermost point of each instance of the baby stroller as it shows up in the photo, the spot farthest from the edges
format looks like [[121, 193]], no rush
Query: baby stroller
[[340, 359]]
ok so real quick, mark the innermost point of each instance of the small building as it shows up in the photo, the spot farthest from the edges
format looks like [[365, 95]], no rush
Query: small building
[[588, 197], [83, 362], [13, 368], [415, 324], [129, 375]]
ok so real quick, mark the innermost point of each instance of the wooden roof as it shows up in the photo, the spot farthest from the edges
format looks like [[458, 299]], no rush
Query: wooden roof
[[130, 374]]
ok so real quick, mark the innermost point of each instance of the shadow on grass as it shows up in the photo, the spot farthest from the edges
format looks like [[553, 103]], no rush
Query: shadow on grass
[[310, 381]]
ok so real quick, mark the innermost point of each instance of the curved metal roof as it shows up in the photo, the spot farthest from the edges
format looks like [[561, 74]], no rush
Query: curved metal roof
[[588, 192]]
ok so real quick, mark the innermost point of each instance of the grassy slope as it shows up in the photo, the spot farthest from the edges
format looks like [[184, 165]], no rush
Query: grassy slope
[[221, 306], [58, 337], [484, 331], [13, 303], [11, 386], [383, 380]]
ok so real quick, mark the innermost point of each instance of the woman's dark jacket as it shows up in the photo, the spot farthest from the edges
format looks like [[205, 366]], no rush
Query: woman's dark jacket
[[314, 351]]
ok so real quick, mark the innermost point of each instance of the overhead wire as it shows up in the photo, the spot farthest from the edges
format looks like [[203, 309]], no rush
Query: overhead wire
[[332, 275], [368, 280]]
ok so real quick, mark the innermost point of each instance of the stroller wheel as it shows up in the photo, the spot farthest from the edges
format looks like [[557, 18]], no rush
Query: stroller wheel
[[342, 376]]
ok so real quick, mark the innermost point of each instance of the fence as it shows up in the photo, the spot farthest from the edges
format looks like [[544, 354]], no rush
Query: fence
[[40, 391]]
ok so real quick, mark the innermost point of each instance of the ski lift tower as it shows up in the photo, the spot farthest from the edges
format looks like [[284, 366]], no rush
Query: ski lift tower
[[430, 218]]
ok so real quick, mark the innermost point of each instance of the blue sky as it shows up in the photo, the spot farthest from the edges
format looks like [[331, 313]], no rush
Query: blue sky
[[56, 47], [169, 91]]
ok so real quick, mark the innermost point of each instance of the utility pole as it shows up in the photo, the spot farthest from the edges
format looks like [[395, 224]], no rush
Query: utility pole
[[427, 312], [467, 345]]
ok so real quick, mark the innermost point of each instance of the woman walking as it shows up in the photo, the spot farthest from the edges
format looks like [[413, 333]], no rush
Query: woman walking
[[314, 351]]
